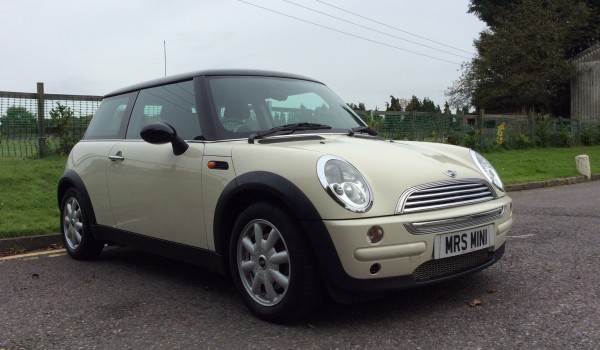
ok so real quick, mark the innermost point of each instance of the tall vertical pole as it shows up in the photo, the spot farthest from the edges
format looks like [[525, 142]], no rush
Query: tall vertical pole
[[165, 50], [41, 120]]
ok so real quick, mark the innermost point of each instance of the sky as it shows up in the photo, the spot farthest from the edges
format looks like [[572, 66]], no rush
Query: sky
[[363, 50]]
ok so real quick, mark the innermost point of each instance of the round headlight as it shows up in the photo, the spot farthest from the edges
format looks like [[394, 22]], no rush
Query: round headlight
[[344, 183], [487, 169]]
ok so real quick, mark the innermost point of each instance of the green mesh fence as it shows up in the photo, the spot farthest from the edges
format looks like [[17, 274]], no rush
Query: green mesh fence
[[23, 134], [484, 132]]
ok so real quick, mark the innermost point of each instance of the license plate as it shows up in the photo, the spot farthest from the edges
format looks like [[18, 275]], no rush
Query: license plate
[[457, 243]]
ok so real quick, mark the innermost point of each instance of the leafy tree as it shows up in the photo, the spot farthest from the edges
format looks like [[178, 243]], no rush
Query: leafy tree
[[414, 104], [18, 116], [63, 120], [447, 108], [522, 61], [394, 104]]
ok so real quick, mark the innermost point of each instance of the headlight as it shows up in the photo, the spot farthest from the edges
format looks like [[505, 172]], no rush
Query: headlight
[[487, 169], [344, 183]]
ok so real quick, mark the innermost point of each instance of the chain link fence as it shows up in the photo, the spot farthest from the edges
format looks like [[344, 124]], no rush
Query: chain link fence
[[38, 124]]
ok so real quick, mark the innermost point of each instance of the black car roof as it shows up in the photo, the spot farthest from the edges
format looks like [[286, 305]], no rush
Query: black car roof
[[211, 72]]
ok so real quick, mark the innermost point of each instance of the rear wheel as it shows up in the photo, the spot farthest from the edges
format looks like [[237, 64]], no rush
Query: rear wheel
[[272, 265], [76, 229]]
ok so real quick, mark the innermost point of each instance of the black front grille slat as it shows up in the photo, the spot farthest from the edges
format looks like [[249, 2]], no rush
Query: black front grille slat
[[444, 195], [440, 268]]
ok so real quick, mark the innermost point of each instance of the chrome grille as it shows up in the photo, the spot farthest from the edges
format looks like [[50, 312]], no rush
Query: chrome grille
[[444, 194], [434, 269]]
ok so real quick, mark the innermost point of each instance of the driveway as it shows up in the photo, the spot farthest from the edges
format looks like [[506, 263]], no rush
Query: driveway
[[544, 293]]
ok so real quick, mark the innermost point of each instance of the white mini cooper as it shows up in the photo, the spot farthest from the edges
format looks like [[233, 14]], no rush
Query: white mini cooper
[[271, 178]]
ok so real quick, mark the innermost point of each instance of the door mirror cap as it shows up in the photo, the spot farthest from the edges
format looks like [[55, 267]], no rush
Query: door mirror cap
[[161, 133]]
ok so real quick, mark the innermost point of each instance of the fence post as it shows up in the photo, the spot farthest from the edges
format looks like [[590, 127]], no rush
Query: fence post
[[532, 126], [41, 120], [481, 138]]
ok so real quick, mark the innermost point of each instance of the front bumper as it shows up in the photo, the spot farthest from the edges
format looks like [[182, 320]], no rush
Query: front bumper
[[403, 259]]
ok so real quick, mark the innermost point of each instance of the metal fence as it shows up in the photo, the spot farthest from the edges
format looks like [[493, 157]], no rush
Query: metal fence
[[485, 132], [27, 126]]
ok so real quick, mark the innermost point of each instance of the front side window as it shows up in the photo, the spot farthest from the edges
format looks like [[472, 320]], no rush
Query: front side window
[[107, 121], [250, 104], [173, 104]]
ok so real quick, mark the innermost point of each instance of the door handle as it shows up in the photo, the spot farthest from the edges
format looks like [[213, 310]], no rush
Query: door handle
[[118, 156]]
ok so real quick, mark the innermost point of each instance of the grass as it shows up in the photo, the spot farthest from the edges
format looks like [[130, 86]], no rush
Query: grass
[[28, 186], [28, 195], [521, 166]]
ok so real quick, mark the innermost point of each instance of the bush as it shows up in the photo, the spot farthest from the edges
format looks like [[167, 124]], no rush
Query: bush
[[62, 118]]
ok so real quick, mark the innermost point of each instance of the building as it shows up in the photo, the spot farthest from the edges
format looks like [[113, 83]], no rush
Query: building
[[585, 86]]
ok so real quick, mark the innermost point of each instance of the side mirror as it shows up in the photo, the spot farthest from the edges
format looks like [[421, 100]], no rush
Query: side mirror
[[161, 133]]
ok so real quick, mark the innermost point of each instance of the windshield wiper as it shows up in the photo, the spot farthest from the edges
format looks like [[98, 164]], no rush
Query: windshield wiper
[[362, 129], [287, 129]]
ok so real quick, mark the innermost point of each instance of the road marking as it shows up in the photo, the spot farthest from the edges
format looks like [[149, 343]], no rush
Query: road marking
[[50, 253], [523, 236]]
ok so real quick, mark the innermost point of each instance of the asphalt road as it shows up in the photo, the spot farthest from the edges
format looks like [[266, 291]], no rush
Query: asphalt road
[[543, 294]]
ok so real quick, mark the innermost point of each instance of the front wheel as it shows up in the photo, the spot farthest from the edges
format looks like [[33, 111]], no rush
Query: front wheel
[[272, 264], [76, 229]]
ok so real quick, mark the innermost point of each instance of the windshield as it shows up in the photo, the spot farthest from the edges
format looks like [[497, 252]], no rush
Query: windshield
[[246, 105]]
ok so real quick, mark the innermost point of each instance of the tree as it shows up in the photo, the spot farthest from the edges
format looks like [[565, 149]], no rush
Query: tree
[[447, 108], [414, 104], [394, 104], [18, 116], [522, 59], [63, 120]]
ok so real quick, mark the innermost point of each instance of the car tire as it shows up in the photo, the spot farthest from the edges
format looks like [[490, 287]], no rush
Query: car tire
[[76, 229], [278, 278]]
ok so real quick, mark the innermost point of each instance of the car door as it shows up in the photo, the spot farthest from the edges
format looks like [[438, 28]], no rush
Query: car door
[[152, 191]]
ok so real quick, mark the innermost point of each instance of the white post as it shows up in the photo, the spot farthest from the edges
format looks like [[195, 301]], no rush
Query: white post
[[583, 166]]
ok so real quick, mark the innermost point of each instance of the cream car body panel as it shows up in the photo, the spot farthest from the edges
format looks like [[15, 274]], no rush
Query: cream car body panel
[[156, 193], [89, 160]]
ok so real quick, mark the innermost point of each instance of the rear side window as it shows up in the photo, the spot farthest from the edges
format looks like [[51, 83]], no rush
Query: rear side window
[[107, 121], [173, 104]]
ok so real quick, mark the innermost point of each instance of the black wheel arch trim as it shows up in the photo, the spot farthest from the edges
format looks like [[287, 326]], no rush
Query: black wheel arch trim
[[266, 183], [71, 179]]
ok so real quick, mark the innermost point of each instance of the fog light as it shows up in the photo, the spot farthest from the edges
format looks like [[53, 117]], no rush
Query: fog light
[[375, 234], [374, 269]]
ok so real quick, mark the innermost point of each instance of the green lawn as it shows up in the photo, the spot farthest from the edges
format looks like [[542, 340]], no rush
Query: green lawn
[[521, 166], [28, 186], [28, 195]]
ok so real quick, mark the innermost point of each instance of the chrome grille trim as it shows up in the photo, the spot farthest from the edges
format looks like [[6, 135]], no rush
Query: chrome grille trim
[[448, 225], [444, 194]]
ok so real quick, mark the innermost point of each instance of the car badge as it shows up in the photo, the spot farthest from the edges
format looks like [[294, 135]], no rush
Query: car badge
[[450, 173]]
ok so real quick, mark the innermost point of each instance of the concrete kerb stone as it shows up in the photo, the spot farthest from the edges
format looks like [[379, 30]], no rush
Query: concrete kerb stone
[[30, 243], [45, 241]]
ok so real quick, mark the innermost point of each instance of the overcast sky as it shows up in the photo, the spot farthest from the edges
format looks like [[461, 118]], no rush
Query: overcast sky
[[93, 47]]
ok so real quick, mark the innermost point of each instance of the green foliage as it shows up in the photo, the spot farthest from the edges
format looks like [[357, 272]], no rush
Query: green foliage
[[522, 142], [590, 135], [522, 59], [394, 105], [63, 120], [18, 119]]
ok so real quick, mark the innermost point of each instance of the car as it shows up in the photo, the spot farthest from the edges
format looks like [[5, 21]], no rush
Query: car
[[271, 179]]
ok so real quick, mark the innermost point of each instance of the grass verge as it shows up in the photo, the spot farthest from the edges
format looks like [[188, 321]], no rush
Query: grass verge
[[28, 196], [522, 166]]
